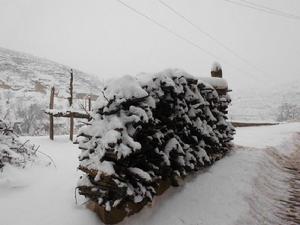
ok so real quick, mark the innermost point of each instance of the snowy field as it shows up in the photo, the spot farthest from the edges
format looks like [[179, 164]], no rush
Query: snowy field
[[242, 188]]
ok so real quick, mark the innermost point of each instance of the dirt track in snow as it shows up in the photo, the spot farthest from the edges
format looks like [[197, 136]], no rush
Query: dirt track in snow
[[276, 189], [291, 212]]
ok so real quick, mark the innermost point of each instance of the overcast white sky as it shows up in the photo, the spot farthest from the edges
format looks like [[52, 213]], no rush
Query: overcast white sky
[[104, 38]]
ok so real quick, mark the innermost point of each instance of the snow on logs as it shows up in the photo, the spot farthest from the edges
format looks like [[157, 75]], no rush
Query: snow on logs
[[146, 134], [68, 113]]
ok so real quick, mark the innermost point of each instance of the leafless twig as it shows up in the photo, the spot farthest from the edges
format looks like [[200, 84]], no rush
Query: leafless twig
[[48, 157]]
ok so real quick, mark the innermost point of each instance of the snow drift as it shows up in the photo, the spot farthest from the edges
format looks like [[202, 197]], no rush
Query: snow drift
[[12, 150]]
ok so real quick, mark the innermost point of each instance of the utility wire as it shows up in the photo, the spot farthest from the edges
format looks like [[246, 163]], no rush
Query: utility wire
[[210, 36], [264, 9], [293, 16], [181, 37], [168, 30]]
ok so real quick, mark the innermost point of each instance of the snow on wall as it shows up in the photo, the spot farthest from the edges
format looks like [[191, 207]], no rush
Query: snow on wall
[[216, 66]]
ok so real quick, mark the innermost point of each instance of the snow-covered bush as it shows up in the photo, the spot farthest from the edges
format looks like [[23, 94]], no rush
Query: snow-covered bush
[[12, 150], [148, 130]]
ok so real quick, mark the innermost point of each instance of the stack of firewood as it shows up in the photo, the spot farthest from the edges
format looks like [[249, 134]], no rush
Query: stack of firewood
[[147, 131]]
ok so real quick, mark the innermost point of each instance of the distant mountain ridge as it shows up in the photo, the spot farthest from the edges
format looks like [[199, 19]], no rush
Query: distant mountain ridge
[[20, 71]]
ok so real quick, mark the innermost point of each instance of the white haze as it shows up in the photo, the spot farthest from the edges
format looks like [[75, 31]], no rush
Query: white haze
[[104, 38]]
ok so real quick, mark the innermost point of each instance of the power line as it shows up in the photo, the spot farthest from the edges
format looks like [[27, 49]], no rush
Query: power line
[[181, 37], [261, 8], [271, 9], [169, 30], [210, 36], [264, 9]]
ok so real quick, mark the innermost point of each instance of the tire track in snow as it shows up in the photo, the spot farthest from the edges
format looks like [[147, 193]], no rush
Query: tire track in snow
[[291, 214], [275, 198]]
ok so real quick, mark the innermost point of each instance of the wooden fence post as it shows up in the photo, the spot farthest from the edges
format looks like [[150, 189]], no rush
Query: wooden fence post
[[90, 104], [51, 106], [70, 104]]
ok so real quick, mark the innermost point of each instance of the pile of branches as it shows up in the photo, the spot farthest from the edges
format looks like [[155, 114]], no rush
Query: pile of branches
[[146, 131], [12, 150]]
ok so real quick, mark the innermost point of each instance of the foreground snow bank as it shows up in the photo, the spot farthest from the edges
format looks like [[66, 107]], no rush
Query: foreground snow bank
[[232, 192], [15, 153], [45, 195]]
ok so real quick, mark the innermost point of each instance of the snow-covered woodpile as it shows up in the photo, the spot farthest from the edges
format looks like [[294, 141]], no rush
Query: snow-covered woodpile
[[149, 132], [12, 150]]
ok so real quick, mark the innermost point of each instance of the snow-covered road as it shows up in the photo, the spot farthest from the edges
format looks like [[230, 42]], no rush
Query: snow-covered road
[[249, 186]]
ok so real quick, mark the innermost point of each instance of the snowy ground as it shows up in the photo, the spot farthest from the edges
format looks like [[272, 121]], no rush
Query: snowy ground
[[242, 188]]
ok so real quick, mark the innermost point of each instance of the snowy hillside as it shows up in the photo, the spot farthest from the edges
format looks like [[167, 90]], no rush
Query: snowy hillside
[[263, 104], [25, 81]]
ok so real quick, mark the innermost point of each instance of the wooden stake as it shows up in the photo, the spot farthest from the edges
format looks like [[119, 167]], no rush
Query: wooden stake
[[71, 89], [90, 104], [70, 104], [51, 105], [71, 127]]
